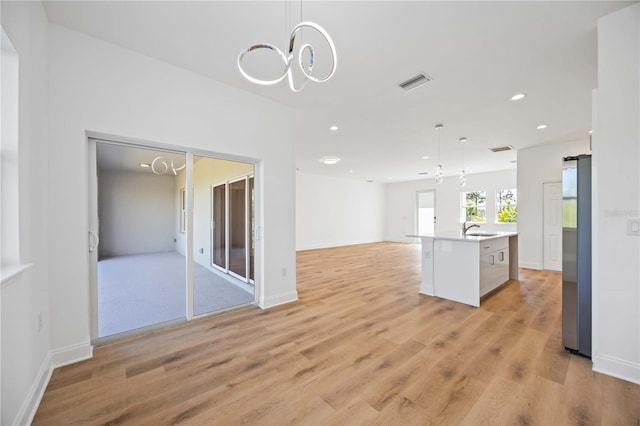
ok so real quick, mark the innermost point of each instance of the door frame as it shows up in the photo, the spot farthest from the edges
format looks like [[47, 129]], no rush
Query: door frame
[[248, 222], [542, 227], [91, 139], [417, 206]]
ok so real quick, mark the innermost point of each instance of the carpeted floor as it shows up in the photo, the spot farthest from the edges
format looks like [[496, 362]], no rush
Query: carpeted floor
[[140, 290]]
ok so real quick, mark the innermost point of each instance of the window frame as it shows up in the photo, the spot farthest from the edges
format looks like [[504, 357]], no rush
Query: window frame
[[500, 205], [463, 207]]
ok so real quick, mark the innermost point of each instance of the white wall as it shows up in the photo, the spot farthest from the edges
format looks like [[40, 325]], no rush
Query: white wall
[[334, 212], [99, 87], [402, 211], [616, 186], [25, 346], [536, 166], [136, 211]]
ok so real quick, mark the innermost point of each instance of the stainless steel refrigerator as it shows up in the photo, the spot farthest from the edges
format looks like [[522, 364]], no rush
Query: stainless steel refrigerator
[[576, 254]]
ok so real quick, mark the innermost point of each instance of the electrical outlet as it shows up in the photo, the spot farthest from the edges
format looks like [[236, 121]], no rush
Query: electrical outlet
[[201, 251], [284, 272]]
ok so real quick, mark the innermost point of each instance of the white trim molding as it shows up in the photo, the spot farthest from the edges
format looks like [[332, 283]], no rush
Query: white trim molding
[[70, 354], [278, 299], [616, 367], [10, 273], [531, 265], [32, 401]]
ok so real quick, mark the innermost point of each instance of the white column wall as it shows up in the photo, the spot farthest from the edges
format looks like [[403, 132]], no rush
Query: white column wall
[[334, 212], [401, 203], [616, 186], [99, 87], [536, 166], [25, 342]]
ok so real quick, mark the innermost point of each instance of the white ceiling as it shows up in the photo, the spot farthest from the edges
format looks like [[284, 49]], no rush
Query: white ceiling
[[478, 53]]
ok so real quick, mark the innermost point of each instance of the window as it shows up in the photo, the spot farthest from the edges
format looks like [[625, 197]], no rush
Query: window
[[506, 206], [9, 215], [183, 211], [474, 207]]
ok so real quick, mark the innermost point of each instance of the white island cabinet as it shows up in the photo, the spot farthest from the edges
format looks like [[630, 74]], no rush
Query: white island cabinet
[[464, 268]]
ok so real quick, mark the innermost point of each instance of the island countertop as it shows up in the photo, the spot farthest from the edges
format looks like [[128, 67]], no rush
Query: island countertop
[[465, 268], [471, 236]]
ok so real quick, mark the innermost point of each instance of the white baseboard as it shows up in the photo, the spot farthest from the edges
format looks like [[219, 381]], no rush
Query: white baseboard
[[530, 265], [54, 359], [32, 401], [70, 354], [616, 367], [278, 299], [334, 244]]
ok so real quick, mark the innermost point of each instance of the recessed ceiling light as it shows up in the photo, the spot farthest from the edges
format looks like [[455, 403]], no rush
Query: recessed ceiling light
[[590, 132], [330, 160], [351, 171], [463, 139], [541, 126], [333, 128], [518, 96], [144, 165], [426, 157]]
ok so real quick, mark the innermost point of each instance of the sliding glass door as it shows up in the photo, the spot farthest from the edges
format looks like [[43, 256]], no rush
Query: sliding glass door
[[175, 236], [140, 260], [220, 234], [219, 225], [234, 227]]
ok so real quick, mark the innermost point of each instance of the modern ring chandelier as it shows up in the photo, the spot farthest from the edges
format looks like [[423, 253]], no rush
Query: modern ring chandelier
[[160, 167], [305, 49]]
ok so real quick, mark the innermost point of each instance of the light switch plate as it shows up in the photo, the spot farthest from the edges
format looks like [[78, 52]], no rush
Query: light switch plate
[[633, 227]]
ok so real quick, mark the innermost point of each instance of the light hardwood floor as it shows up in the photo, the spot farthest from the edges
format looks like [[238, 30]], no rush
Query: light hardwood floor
[[361, 346]]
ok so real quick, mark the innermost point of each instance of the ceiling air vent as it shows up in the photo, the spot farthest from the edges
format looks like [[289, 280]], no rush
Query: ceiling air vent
[[501, 148], [415, 81]]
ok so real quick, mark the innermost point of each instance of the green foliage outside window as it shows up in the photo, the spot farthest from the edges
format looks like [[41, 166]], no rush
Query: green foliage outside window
[[506, 204], [475, 206]]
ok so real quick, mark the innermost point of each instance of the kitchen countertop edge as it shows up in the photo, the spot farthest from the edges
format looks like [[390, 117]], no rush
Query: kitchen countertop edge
[[457, 236]]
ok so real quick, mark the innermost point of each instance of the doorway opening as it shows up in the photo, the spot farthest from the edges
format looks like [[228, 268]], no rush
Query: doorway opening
[[153, 215], [426, 212], [552, 226]]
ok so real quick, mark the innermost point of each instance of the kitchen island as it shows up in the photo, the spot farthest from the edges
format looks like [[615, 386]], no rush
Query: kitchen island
[[465, 267]]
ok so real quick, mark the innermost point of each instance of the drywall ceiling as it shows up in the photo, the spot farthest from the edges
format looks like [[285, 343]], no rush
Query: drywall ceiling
[[122, 158], [478, 53]]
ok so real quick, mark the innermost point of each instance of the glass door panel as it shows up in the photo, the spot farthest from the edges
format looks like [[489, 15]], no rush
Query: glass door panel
[[252, 233], [238, 228], [219, 226], [219, 247], [141, 264]]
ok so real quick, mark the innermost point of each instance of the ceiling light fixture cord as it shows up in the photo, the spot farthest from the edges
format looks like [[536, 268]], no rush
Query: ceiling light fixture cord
[[306, 51], [439, 173]]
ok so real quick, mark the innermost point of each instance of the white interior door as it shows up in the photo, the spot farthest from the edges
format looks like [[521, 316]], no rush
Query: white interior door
[[426, 210], [552, 226]]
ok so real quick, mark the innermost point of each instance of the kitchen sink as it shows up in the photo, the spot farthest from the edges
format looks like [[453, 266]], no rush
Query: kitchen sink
[[480, 234]]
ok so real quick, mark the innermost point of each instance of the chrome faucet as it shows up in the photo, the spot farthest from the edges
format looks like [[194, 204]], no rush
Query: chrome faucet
[[465, 228]]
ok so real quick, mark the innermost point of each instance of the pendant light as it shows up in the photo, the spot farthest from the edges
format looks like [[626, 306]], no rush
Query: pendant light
[[463, 177], [306, 51], [439, 174]]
